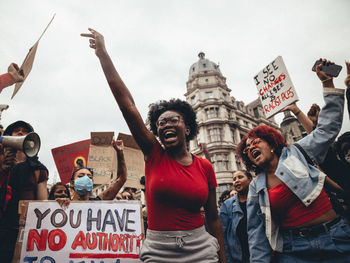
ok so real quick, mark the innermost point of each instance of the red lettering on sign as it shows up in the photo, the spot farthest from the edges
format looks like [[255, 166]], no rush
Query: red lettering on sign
[[270, 85], [38, 239], [79, 241], [93, 244], [115, 242], [62, 239]]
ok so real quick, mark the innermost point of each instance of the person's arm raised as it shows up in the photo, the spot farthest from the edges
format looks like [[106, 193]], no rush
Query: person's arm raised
[[144, 138], [111, 192], [302, 118]]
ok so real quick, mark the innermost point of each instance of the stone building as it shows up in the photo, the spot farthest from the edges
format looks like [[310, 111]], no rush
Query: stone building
[[291, 128], [222, 120]]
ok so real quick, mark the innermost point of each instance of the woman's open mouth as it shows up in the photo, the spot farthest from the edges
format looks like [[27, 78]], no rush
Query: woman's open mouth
[[256, 154], [169, 136]]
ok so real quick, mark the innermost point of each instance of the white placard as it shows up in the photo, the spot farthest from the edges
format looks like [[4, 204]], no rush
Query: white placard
[[275, 88], [100, 231]]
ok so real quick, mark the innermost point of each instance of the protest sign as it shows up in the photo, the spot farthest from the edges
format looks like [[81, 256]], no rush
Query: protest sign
[[103, 231], [27, 64], [134, 160], [69, 156], [275, 87], [102, 157]]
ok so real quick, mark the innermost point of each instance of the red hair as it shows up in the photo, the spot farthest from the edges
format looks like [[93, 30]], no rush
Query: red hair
[[272, 136]]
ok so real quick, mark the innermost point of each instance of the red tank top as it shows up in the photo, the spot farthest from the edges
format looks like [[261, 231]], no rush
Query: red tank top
[[287, 208], [175, 193]]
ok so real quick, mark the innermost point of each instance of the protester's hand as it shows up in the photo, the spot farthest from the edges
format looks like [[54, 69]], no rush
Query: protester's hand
[[15, 72], [10, 157], [63, 202], [327, 80], [347, 79], [292, 107], [118, 145], [97, 41]]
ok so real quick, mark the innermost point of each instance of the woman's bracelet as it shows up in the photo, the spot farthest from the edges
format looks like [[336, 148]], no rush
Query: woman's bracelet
[[297, 113]]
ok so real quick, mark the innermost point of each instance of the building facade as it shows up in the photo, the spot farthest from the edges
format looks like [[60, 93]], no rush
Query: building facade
[[222, 120]]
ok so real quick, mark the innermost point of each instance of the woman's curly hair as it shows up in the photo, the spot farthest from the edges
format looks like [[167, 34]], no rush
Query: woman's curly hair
[[180, 106], [272, 136]]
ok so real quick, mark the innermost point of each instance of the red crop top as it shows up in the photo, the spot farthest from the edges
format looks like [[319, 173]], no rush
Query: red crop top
[[287, 208], [175, 193]]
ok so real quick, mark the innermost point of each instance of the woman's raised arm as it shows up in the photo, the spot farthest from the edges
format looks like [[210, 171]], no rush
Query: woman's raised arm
[[144, 138]]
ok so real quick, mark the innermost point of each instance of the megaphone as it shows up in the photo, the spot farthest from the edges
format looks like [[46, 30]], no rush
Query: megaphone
[[28, 144]]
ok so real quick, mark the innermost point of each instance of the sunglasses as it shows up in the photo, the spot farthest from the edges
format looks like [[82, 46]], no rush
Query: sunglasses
[[253, 143]]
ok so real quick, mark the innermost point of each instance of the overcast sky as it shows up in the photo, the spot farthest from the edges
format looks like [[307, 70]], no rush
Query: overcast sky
[[153, 44]]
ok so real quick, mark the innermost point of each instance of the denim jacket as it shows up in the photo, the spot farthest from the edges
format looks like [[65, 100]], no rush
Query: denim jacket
[[230, 215], [304, 180]]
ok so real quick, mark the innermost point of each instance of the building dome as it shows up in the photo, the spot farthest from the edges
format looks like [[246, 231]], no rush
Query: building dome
[[203, 64]]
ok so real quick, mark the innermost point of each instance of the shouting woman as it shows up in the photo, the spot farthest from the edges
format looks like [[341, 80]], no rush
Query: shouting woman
[[288, 210], [178, 183]]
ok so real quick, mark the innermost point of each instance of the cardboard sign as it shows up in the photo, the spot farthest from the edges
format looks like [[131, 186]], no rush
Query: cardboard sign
[[275, 88], [27, 64], [69, 156], [102, 231], [102, 157], [135, 161]]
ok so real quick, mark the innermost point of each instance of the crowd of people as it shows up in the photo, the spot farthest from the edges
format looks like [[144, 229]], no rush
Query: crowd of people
[[291, 204]]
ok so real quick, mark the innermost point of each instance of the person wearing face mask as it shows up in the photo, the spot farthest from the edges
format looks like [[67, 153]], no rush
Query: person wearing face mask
[[233, 216], [82, 181]]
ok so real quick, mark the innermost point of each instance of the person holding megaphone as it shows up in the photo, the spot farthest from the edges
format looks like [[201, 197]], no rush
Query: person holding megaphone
[[22, 177]]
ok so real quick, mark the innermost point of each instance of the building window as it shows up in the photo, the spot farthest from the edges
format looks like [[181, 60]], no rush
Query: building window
[[256, 112], [204, 65], [215, 135], [209, 95], [212, 112], [206, 80], [224, 96], [239, 164], [193, 99], [233, 136], [228, 113], [221, 162]]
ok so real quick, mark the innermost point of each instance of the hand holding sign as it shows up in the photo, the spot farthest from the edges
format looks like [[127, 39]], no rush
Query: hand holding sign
[[16, 73]]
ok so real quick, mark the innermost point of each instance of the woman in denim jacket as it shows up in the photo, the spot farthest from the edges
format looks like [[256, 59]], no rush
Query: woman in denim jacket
[[288, 210], [233, 216]]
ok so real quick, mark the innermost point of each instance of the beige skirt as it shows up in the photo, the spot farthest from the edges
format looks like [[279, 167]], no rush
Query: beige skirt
[[180, 246]]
